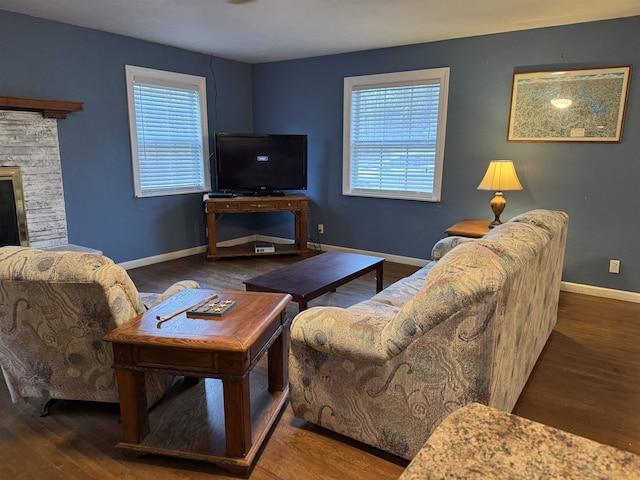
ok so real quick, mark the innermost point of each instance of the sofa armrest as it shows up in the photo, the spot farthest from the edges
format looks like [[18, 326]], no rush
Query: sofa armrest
[[338, 331], [175, 288], [445, 245]]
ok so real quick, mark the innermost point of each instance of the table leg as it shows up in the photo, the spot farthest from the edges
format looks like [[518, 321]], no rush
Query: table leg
[[237, 415], [302, 305], [301, 221], [379, 274], [212, 221], [278, 368], [133, 405]]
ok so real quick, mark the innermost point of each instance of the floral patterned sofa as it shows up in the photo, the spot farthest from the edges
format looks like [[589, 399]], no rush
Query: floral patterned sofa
[[55, 309], [467, 327]]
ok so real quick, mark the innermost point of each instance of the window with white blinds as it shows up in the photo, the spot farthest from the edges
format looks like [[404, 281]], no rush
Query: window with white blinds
[[394, 129], [168, 125]]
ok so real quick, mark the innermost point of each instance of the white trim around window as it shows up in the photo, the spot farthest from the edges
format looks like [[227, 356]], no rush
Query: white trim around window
[[394, 133], [169, 132]]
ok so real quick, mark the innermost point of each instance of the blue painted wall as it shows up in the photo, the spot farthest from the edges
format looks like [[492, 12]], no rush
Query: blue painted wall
[[596, 184], [44, 59]]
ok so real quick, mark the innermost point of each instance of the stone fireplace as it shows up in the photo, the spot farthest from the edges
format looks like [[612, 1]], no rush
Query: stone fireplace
[[29, 152]]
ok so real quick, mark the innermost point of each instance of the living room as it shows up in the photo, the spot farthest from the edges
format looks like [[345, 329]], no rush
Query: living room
[[46, 59], [586, 180]]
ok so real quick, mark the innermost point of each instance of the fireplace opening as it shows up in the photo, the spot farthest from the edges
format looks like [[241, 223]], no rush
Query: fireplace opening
[[13, 219]]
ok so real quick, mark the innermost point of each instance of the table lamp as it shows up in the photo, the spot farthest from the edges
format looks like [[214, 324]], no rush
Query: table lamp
[[501, 175]]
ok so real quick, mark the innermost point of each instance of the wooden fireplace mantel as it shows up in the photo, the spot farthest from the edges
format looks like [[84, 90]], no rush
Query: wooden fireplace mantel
[[48, 108]]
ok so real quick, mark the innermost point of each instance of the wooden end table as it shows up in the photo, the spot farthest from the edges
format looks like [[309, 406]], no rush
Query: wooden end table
[[469, 228], [220, 422]]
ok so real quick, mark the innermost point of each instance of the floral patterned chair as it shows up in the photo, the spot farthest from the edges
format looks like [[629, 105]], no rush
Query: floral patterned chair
[[55, 309]]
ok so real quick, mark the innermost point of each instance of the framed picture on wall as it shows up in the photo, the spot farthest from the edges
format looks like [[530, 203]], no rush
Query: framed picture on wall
[[569, 105]]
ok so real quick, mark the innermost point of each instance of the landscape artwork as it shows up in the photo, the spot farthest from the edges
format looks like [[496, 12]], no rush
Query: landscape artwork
[[569, 106]]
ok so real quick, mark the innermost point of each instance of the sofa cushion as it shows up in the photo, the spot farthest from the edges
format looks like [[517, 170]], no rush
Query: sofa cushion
[[400, 292], [373, 308]]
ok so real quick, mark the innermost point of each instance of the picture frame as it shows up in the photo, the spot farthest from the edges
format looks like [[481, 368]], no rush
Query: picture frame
[[575, 105]]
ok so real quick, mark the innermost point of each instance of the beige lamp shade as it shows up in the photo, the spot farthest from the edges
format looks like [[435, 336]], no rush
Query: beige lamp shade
[[501, 175]]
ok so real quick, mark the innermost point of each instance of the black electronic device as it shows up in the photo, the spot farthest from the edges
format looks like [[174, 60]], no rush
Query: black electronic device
[[221, 195], [261, 164]]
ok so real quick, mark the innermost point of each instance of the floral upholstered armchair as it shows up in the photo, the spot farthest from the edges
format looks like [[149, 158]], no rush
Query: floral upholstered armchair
[[55, 309]]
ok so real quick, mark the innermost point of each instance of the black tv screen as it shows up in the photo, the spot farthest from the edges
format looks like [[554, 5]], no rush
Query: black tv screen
[[260, 164]]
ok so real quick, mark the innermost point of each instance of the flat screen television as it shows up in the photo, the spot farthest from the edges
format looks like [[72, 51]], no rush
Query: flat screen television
[[260, 164]]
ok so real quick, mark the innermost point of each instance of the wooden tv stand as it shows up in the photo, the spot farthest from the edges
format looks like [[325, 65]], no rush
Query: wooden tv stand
[[215, 208]]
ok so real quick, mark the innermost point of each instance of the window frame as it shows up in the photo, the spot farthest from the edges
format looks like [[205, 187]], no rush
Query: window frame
[[432, 76], [162, 78]]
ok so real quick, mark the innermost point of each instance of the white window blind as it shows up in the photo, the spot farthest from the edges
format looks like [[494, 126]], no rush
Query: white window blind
[[394, 135], [168, 132]]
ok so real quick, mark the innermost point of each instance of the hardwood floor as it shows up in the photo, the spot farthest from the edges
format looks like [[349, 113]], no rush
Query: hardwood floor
[[587, 381]]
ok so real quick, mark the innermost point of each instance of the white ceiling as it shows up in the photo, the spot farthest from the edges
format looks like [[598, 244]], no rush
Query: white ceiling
[[256, 31]]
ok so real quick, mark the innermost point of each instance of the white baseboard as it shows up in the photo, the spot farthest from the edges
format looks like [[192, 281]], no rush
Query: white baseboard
[[416, 262], [600, 292], [165, 257]]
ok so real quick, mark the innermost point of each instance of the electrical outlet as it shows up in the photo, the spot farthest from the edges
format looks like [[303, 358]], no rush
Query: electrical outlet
[[320, 228], [614, 266]]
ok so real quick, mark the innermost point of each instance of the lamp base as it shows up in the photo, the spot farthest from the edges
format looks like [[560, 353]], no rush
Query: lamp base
[[497, 206]]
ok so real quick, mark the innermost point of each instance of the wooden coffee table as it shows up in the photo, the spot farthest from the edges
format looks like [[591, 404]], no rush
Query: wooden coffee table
[[220, 422], [317, 275]]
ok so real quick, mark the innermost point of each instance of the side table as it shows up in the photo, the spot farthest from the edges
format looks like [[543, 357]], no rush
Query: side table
[[469, 228], [223, 422]]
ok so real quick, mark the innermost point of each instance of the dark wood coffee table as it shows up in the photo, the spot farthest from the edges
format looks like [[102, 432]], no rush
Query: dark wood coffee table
[[220, 422], [317, 275]]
